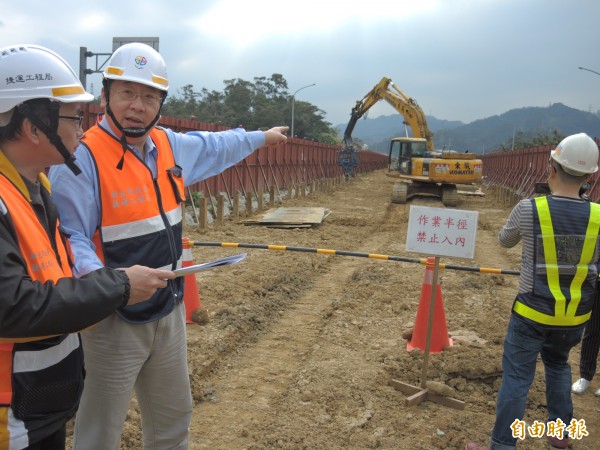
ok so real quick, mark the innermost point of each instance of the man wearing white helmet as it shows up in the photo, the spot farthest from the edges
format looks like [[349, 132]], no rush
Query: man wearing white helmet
[[128, 210], [556, 291], [42, 305]]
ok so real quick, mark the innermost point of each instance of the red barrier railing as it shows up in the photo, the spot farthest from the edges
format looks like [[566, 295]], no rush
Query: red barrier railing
[[520, 169], [298, 161]]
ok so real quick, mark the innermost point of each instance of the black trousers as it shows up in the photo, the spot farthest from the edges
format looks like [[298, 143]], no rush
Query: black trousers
[[590, 344], [56, 441]]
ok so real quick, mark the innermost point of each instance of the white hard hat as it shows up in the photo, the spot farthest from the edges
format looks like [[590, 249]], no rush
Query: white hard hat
[[577, 154], [139, 63], [30, 71]]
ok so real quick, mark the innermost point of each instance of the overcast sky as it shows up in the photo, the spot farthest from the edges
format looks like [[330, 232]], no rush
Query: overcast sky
[[459, 59]]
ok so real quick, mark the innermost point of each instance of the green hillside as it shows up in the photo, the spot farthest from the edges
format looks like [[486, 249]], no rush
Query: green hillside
[[483, 135]]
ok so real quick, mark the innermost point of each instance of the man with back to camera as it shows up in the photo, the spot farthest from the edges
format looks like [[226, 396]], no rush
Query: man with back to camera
[[132, 184], [559, 271], [42, 306]]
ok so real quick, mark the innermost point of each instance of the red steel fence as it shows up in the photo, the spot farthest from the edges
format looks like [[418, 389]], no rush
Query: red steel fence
[[517, 171], [297, 162], [302, 162]]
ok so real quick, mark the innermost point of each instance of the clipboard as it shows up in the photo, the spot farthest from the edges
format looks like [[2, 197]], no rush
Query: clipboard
[[210, 265]]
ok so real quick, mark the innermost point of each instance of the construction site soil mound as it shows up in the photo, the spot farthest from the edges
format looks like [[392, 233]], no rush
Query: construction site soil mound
[[301, 350]]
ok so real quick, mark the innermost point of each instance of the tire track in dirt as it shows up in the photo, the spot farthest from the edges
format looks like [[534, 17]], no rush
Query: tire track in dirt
[[248, 385], [262, 371]]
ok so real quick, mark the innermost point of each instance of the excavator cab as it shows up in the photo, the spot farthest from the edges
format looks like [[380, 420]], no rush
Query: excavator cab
[[420, 171], [402, 152]]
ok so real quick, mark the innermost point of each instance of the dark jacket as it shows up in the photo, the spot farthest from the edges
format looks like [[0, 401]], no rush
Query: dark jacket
[[41, 308]]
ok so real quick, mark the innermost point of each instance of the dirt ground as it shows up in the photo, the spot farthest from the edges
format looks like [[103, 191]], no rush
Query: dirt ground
[[300, 348]]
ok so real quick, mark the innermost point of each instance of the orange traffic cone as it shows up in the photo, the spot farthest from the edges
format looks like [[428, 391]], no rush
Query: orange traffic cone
[[439, 331], [191, 297]]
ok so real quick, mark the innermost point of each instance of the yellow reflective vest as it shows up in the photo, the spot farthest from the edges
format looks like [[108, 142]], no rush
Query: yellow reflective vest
[[562, 294]]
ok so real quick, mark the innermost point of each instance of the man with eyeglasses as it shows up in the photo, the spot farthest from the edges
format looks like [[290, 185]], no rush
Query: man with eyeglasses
[[123, 209], [77, 119], [42, 306], [559, 272]]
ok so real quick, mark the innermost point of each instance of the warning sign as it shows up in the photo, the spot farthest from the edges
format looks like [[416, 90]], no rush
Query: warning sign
[[442, 231]]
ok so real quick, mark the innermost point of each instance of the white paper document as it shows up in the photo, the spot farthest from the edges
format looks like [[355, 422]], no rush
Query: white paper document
[[210, 265]]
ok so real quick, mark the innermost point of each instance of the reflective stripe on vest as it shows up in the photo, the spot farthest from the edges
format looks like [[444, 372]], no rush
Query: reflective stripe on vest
[[111, 233], [30, 361], [563, 315]]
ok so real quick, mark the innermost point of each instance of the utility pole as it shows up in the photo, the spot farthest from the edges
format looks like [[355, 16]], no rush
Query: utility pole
[[589, 70], [83, 70], [294, 101]]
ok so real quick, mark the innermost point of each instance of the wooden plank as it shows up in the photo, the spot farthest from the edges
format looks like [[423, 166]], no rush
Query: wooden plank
[[418, 395], [417, 398], [291, 217], [404, 387], [446, 401]]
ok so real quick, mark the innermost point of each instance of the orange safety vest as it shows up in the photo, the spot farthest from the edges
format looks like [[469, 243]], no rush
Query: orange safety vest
[[141, 220], [44, 263]]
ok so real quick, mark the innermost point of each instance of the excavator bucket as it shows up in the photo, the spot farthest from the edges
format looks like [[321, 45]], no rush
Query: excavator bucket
[[348, 159]]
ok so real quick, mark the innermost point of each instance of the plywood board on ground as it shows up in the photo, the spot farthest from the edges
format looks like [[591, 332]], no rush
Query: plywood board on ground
[[293, 217]]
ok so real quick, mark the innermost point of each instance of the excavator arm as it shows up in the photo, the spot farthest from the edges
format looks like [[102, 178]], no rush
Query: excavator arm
[[405, 105]]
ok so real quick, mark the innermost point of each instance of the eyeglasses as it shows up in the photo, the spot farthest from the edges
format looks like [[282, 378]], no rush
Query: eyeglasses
[[78, 119], [130, 95]]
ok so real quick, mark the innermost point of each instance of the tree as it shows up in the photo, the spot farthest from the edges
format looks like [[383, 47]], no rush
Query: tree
[[522, 140], [261, 104], [184, 105]]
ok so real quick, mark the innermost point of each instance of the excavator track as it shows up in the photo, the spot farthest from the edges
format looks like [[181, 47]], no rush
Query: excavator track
[[449, 195], [400, 192]]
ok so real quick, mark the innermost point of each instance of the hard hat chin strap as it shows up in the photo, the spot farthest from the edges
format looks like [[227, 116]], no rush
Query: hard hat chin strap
[[51, 132], [129, 132]]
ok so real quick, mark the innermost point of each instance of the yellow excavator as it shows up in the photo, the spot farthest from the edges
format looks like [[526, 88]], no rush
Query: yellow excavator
[[419, 168]]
